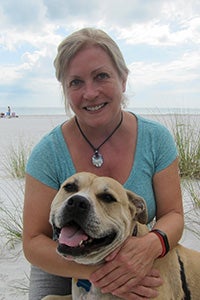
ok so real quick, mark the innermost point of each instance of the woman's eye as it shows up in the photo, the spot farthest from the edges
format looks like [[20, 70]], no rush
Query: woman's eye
[[75, 82], [102, 76]]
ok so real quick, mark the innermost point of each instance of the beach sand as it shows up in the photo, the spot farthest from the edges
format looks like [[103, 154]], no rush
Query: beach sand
[[28, 130]]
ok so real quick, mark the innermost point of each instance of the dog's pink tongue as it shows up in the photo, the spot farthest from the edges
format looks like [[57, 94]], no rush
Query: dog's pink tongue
[[72, 236]]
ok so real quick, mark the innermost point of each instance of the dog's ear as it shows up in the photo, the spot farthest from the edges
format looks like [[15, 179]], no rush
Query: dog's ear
[[140, 205]]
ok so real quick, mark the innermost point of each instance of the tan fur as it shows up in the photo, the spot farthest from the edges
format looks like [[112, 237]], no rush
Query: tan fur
[[122, 215]]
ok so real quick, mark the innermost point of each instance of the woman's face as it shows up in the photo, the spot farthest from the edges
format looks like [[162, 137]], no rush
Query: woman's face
[[93, 86]]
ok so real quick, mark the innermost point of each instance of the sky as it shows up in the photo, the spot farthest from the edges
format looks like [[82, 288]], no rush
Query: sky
[[159, 39]]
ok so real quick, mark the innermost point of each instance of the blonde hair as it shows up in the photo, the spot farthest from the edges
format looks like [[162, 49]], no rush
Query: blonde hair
[[81, 38]]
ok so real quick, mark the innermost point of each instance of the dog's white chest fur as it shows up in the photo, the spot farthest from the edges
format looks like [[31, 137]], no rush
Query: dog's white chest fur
[[79, 293]]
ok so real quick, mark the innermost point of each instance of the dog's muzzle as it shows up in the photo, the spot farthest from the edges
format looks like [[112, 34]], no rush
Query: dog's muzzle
[[75, 229]]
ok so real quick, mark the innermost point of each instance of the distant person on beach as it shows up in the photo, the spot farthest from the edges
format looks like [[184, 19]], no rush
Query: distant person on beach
[[102, 138], [8, 113]]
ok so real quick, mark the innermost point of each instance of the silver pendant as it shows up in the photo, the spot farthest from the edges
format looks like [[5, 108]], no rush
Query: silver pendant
[[97, 159]]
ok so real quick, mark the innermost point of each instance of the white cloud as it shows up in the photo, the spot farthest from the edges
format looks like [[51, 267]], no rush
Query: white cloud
[[9, 74], [13, 38], [180, 9], [157, 33], [182, 70]]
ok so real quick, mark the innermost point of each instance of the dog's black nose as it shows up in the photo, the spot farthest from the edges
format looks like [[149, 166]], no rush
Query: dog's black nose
[[78, 203], [76, 209]]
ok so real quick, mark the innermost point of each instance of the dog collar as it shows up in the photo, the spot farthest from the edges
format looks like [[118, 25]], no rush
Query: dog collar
[[135, 231], [84, 283]]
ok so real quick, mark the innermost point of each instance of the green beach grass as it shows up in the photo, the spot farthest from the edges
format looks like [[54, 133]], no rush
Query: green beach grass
[[187, 138], [12, 193], [16, 158], [192, 212], [11, 207]]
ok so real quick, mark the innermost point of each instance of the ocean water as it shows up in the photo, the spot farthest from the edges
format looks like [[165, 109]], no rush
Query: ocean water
[[25, 111]]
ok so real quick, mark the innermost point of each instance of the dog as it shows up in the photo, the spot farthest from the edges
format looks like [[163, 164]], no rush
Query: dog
[[92, 215]]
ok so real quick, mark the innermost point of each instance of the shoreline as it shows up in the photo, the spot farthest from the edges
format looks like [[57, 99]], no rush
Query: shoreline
[[150, 114]]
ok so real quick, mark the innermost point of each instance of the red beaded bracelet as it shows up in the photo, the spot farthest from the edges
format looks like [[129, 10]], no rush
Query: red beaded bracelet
[[164, 241]]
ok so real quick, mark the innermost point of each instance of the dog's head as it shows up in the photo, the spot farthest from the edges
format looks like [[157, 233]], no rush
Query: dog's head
[[92, 215]]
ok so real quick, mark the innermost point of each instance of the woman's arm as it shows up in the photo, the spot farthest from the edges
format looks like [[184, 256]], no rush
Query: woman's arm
[[170, 218], [127, 267], [39, 248]]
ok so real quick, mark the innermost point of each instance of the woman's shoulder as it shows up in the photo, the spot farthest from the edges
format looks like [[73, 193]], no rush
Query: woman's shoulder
[[50, 142], [47, 156], [55, 136], [149, 121], [157, 140], [152, 127], [154, 134]]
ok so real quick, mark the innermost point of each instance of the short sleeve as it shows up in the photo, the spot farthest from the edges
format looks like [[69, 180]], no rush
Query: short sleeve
[[41, 164], [50, 161], [166, 151]]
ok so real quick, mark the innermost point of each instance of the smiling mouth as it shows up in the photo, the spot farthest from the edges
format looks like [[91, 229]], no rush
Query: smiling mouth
[[73, 241], [95, 108]]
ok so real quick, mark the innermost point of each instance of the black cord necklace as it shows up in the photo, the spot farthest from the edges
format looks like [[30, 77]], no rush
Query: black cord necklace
[[97, 158]]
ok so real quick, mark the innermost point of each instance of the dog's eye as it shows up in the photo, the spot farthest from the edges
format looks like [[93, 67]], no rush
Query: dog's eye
[[108, 198], [71, 187]]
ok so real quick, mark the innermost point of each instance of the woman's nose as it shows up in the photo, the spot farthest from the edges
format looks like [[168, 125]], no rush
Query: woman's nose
[[90, 91]]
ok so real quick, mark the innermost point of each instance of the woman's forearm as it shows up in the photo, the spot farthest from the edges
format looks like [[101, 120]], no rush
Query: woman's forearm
[[172, 225], [41, 252]]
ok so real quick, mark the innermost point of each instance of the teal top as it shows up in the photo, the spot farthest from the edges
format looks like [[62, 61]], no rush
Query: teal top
[[50, 161]]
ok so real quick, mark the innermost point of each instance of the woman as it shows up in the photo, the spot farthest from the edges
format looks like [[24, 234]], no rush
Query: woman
[[103, 139]]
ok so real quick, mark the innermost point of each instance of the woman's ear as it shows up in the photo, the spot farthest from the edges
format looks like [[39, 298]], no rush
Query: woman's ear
[[124, 81]]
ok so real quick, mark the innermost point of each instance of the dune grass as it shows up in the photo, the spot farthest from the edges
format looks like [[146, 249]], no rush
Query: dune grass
[[15, 160], [192, 212], [12, 193], [186, 132], [11, 206], [187, 138]]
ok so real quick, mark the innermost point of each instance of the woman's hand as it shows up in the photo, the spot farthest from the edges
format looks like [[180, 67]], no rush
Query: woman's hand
[[145, 289], [128, 271]]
